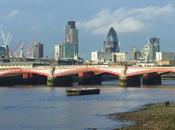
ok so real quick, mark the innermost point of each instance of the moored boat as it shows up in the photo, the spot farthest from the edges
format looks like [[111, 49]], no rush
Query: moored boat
[[82, 91]]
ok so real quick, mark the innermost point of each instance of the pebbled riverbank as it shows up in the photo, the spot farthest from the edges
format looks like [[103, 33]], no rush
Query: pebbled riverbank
[[150, 117]]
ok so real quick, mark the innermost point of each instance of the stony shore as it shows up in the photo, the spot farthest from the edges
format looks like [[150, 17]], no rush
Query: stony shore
[[150, 117]]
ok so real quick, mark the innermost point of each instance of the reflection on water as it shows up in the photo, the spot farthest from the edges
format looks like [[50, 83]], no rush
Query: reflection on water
[[44, 108]]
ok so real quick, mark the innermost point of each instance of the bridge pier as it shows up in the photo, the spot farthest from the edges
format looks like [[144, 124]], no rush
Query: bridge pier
[[51, 77], [122, 81], [152, 79], [60, 81], [50, 81], [89, 78], [134, 81]]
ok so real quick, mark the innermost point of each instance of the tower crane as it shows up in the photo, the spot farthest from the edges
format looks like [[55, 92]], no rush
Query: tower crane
[[6, 38]]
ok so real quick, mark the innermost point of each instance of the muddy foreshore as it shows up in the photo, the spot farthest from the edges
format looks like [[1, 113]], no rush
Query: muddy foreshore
[[159, 116]]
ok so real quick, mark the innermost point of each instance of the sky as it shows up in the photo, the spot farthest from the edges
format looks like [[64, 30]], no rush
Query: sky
[[134, 21]]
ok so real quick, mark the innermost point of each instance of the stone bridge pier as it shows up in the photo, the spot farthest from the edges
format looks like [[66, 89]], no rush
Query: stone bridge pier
[[51, 77], [138, 80], [52, 80], [128, 81], [134, 81]]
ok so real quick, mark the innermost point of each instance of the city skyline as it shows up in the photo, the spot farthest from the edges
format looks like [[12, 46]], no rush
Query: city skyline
[[45, 22]]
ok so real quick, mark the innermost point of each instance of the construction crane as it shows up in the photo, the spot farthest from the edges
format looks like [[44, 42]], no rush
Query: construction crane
[[13, 52], [30, 50], [6, 38]]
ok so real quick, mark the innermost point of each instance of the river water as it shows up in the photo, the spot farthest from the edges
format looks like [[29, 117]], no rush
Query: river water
[[44, 108]]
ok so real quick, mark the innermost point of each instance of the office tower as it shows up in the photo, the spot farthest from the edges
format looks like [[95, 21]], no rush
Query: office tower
[[155, 47], [69, 51], [4, 52], [38, 50], [145, 53], [71, 37], [135, 54], [71, 33], [111, 43], [58, 50], [149, 51]]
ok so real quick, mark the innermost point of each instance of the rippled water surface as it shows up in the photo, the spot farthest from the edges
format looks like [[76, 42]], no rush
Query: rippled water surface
[[44, 108]]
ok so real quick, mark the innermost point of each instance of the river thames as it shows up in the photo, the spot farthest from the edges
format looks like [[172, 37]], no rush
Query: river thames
[[44, 108]]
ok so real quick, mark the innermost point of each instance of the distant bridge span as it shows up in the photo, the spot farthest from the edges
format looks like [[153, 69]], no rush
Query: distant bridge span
[[134, 71], [72, 70], [128, 76]]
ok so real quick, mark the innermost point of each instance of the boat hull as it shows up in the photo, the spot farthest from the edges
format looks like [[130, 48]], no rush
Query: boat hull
[[76, 92]]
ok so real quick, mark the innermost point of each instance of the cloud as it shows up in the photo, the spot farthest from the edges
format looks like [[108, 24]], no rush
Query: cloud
[[126, 20], [36, 28], [13, 13]]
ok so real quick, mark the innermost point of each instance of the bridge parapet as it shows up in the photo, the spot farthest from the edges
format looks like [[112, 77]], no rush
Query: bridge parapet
[[15, 66]]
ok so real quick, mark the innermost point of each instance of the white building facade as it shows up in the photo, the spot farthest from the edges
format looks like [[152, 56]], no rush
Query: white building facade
[[58, 51], [97, 56]]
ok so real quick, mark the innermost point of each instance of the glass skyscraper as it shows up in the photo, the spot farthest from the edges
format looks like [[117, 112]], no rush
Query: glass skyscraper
[[111, 43], [38, 50], [149, 50], [71, 37]]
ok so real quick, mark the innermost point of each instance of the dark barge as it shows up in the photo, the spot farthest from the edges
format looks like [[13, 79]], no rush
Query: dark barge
[[82, 91]]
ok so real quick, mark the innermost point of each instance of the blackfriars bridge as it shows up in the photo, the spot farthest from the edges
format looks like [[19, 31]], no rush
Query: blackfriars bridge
[[88, 74]]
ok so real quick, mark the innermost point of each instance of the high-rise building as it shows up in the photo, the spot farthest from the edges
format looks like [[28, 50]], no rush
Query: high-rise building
[[38, 50], [71, 33], [69, 51], [149, 51], [135, 54], [71, 37], [58, 50], [155, 47], [145, 53], [111, 43], [4, 52]]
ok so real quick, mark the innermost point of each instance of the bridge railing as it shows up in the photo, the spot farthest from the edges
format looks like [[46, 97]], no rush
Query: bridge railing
[[2, 67]]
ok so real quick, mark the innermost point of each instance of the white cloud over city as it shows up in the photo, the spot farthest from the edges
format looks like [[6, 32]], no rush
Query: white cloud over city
[[126, 20], [13, 13]]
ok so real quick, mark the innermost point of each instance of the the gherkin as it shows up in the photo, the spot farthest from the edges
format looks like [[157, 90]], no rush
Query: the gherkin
[[111, 43]]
